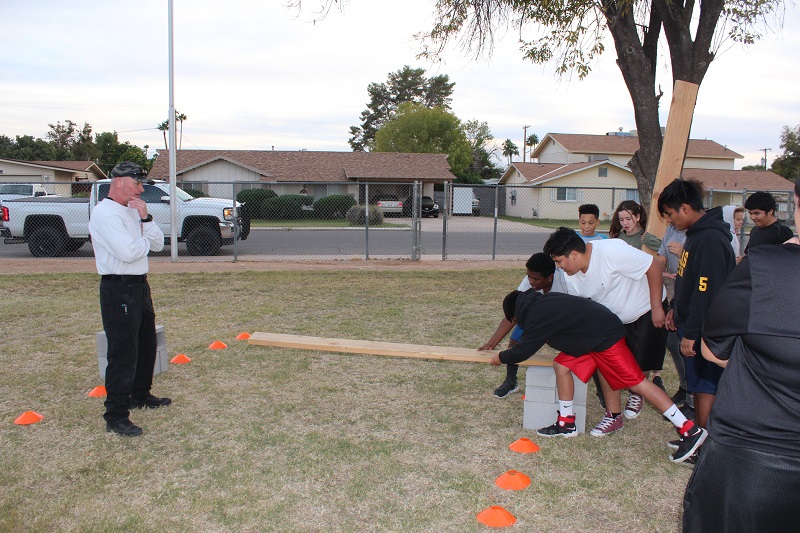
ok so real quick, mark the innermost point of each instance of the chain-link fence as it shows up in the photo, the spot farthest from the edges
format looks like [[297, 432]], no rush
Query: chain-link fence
[[256, 221]]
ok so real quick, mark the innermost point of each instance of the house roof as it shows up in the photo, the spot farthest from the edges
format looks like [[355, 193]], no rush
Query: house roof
[[539, 173], [75, 166], [305, 166], [628, 144], [736, 180]]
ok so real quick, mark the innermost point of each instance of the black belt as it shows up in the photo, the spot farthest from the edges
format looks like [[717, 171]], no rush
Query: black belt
[[127, 279]]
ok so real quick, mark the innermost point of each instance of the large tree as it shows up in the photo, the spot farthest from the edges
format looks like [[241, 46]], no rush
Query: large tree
[[482, 166], [71, 143], [571, 34], [418, 129], [788, 163], [510, 149], [406, 85]]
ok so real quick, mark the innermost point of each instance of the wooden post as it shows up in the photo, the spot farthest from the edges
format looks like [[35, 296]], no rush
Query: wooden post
[[673, 150]]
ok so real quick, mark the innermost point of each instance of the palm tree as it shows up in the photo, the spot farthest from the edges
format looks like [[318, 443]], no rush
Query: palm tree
[[180, 117], [532, 141], [164, 127], [510, 149]]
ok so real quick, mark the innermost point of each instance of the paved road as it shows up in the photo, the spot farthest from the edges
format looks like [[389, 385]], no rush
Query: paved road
[[467, 238]]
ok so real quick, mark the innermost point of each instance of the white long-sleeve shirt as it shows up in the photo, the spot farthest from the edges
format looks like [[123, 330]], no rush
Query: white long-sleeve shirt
[[121, 242]]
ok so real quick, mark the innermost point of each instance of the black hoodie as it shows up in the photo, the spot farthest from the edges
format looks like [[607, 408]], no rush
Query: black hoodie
[[703, 267]]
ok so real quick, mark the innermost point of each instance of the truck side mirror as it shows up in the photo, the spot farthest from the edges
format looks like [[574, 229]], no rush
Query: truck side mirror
[[165, 199]]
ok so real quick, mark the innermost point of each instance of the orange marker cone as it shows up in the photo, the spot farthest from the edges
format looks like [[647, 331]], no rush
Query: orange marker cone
[[513, 480], [243, 336], [97, 392], [496, 516], [28, 417], [180, 359], [523, 397], [523, 445], [217, 345]]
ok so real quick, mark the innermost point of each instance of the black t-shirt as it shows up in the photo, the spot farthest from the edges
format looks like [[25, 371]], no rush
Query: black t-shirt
[[754, 323], [775, 233], [570, 324]]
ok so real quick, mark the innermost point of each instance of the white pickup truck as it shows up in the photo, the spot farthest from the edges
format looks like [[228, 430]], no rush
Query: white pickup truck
[[12, 191], [53, 226]]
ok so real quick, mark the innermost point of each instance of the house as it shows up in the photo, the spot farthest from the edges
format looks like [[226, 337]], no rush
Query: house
[[64, 178], [571, 169], [317, 174]]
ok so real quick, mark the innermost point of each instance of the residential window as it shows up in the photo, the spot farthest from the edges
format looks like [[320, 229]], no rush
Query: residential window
[[632, 194], [602, 172], [598, 157], [566, 194]]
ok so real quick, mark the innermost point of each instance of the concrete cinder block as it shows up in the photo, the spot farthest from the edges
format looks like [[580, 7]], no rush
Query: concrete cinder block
[[541, 399], [162, 361]]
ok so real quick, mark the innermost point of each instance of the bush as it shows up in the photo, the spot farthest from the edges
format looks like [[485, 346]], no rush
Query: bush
[[333, 206], [195, 193], [288, 207], [355, 216], [254, 199]]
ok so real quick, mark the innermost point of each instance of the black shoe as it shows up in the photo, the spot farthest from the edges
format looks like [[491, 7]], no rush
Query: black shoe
[[658, 382], [692, 437], [506, 388], [679, 397], [149, 401], [124, 427], [564, 427]]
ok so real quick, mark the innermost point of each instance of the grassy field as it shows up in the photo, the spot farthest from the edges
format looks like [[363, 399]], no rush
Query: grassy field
[[270, 439]]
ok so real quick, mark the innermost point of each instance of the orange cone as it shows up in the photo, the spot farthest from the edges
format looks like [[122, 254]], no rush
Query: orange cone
[[180, 359], [243, 336], [496, 516], [97, 392], [217, 345], [523, 397], [28, 417], [513, 480], [523, 445]]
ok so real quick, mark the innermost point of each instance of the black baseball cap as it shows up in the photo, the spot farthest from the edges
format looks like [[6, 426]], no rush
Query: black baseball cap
[[131, 170]]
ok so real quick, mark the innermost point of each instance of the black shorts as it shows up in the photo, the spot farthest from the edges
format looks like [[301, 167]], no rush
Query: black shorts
[[647, 342]]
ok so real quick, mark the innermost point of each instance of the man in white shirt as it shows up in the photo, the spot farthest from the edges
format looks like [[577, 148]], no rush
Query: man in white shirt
[[123, 233], [628, 282]]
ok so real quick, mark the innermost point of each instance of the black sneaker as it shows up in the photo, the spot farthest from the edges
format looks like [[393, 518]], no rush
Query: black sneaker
[[679, 397], [692, 437], [124, 427], [506, 388], [658, 382], [674, 444], [564, 427], [149, 402]]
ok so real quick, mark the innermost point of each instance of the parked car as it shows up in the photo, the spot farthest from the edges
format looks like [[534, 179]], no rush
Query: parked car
[[12, 191], [429, 207], [389, 204]]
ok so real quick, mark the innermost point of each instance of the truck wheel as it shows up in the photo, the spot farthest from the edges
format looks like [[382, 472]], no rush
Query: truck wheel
[[203, 240], [74, 244], [47, 241]]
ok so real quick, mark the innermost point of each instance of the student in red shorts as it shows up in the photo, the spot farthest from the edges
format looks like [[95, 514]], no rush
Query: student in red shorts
[[590, 337]]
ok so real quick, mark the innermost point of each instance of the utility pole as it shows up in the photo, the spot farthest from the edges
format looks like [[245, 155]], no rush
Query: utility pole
[[765, 150], [524, 140]]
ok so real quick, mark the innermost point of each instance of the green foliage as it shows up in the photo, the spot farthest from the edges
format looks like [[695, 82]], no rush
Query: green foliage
[[788, 163], [26, 148], [287, 207], [405, 85], [195, 193], [255, 199], [418, 129], [510, 149], [333, 206], [482, 166], [356, 216]]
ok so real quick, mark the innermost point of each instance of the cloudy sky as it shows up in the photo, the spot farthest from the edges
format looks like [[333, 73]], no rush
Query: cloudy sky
[[254, 74]]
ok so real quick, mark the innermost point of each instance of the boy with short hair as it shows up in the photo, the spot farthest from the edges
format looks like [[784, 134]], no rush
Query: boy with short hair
[[590, 337], [761, 207], [627, 281], [703, 267], [589, 218], [541, 276]]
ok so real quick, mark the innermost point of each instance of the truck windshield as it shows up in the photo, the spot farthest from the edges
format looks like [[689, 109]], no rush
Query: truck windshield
[[13, 188]]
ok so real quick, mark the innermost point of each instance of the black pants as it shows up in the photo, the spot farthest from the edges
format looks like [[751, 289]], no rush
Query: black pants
[[130, 325], [647, 343]]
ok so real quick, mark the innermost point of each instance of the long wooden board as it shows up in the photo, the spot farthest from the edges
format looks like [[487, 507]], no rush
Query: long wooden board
[[419, 351]]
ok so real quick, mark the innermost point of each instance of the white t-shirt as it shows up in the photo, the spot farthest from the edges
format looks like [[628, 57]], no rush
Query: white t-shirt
[[559, 285], [615, 278], [120, 241]]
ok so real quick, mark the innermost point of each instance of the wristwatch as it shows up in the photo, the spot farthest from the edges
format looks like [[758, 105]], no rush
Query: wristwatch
[[148, 219]]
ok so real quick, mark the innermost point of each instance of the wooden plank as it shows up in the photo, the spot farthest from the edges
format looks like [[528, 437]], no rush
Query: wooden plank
[[419, 351], [673, 150]]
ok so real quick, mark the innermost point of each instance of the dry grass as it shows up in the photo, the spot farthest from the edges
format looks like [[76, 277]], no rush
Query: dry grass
[[268, 439]]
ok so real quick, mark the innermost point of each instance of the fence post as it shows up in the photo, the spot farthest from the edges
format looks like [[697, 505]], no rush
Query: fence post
[[237, 228], [494, 233], [416, 224], [613, 200], [448, 201], [366, 221], [710, 198]]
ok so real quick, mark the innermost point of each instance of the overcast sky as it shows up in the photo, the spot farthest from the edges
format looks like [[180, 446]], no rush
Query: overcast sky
[[254, 74]]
